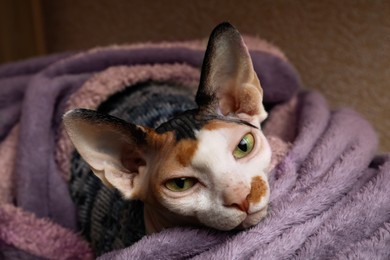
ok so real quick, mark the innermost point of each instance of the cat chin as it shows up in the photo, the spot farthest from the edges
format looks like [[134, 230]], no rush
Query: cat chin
[[252, 219]]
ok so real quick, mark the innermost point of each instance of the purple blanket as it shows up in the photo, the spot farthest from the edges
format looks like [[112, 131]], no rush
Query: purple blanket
[[330, 194]]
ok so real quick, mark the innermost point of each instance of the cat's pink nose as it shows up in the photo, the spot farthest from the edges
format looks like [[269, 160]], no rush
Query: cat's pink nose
[[243, 206], [237, 198]]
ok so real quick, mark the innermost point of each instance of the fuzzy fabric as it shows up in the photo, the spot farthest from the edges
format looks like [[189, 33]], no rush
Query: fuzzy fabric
[[35, 154], [39, 237], [7, 161]]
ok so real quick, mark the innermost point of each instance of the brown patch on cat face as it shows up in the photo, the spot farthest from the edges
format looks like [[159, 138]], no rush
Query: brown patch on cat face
[[185, 150], [258, 189], [157, 141]]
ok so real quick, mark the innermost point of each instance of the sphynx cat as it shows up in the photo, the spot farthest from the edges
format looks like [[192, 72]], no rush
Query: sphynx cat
[[206, 166]]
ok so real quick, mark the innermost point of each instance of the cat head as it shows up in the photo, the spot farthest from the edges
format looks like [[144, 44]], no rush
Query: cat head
[[207, 166]]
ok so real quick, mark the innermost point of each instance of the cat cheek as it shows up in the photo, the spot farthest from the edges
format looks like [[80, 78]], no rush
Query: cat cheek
[[187, 206]]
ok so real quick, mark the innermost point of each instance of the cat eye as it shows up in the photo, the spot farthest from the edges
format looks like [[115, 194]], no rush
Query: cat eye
[[245, 146], [180, 184]]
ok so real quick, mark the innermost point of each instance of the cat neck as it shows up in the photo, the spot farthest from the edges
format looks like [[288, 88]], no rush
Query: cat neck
[[156, 221]]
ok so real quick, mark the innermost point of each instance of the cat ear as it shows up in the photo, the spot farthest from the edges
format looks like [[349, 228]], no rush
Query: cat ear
[[113, 148], [229, 85]]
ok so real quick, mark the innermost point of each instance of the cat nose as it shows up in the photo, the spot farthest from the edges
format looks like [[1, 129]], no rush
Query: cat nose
[[243, 206], [237, 199]]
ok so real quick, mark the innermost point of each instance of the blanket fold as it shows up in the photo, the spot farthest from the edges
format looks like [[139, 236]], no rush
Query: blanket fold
[[329, 192]]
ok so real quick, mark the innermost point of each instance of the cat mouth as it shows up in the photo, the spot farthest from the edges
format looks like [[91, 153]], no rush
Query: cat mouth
[[252, 219]]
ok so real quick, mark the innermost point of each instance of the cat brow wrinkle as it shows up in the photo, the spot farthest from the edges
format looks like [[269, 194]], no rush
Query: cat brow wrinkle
[[183, 125], [186, 124]]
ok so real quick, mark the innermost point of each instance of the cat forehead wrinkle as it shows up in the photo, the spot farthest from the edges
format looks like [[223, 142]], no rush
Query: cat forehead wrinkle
[[184, 125], [258, 189], [225, 122], [218, 124]]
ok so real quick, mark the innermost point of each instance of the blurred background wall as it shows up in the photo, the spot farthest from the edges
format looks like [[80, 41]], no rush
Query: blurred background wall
[[340, 48]]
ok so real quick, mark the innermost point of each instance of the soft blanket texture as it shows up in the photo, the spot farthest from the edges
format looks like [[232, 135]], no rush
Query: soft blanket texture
[[330, 194]]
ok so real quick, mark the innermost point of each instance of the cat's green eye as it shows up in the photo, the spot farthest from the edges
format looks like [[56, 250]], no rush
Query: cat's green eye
[[245, 146], [180, 184]]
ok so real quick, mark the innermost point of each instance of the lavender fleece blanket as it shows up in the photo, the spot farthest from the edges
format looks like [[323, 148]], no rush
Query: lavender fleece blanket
[[330, 194]]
